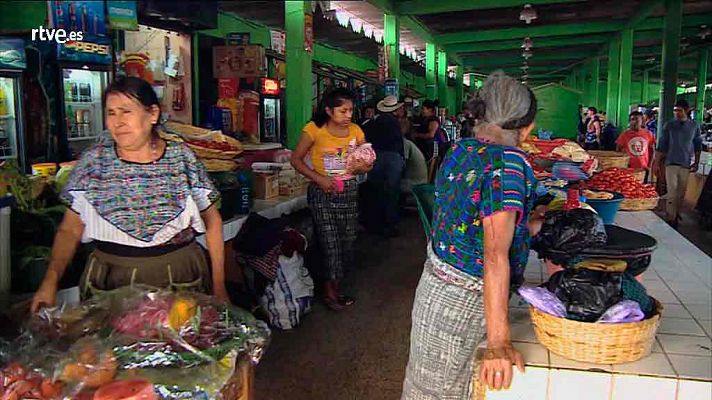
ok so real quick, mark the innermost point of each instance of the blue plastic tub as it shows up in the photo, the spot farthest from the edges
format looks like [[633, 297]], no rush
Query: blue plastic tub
[[607, 209]]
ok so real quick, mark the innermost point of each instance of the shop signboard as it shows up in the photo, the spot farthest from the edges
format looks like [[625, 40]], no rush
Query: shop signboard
[[309, 33], [12, 53], [390, 87], [278, 40], [238, 61], [78, 16], [238, 38], [122, 15], [269, 87], [91, 50]]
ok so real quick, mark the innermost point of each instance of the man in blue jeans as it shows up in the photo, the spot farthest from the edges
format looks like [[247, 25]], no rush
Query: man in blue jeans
[[383, 185], [679, 143]]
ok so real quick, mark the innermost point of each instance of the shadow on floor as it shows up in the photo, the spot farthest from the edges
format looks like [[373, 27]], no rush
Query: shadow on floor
[[691, 228]]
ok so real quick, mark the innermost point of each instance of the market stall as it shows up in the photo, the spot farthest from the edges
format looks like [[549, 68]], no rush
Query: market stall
[[678, 365]]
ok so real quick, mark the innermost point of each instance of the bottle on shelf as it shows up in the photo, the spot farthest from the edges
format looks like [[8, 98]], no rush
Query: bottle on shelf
[[3, 102]]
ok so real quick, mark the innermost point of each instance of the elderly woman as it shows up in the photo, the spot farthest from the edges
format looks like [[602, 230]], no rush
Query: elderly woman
[[478, 251], [141, 200]]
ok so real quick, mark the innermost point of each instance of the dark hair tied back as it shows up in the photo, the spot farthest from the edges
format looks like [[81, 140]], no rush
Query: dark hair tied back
[[332, 99], [137, 89]]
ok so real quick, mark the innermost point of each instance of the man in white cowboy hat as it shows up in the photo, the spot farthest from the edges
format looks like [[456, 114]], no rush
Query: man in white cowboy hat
[[382, 191]]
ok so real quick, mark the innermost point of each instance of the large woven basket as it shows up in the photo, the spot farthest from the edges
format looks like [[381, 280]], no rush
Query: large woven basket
[[596, 343], [610, 159], [639, 204], [206, 153], [639, 174]]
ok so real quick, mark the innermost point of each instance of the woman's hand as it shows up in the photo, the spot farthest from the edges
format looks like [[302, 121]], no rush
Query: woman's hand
[[536, 219], [46, 295], [325, 183], [496, 369]]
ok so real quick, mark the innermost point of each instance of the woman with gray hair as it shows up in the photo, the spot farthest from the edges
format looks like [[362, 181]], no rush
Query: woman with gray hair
[[483, 217]]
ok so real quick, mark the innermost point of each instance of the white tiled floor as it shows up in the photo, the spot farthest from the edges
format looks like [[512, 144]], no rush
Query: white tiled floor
[[680, 367]]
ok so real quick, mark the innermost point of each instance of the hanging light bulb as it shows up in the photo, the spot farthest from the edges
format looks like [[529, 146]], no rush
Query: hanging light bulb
[[527, 54], [528, 14], [524, 67], [705, 32], [527, 43]]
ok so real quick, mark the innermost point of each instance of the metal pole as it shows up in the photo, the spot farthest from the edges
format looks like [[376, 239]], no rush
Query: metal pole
[[671, 54], [431, 71], [299, 71], [626, 71], [701, 82], [391, 42]]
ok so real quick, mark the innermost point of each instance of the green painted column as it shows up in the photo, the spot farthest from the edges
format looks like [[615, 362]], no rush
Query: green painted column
[[391, 41], [299, 71], [431, 80], [701, 82], [671, 53], [595, 78], [614, 54], [626, 72], [645, 95], [195, 81], [459, 88], [442, 79]]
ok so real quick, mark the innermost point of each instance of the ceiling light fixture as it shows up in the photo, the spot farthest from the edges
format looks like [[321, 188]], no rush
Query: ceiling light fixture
[[527, 54], [528, 14], [527, 43]]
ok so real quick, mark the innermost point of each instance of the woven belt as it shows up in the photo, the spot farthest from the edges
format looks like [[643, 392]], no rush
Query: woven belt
[[452, 275]]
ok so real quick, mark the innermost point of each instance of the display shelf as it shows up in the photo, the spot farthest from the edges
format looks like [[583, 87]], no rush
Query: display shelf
[[81, 138]]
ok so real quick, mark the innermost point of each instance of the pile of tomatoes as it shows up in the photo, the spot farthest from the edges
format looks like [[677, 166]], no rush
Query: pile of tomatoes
[[222, 146], [621, 181], [19, 383]]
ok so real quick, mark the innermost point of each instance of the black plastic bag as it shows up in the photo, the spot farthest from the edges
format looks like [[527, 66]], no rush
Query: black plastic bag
[[587, 294], [564, 234], [633, 247]]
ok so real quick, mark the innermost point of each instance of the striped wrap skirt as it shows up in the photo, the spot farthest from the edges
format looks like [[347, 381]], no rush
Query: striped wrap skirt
[[448, 325]]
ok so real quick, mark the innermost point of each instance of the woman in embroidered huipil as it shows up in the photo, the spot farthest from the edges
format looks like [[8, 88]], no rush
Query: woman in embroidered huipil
[[478, 251], [141, 200]]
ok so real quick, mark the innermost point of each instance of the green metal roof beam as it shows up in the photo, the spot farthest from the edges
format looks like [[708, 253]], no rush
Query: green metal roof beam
[[644, 11], [543, 43], [422, 7], [585, 28]]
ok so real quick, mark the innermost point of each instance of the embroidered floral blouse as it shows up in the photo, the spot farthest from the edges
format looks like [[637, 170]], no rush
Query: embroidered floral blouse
[[477, 180], [136, 204]]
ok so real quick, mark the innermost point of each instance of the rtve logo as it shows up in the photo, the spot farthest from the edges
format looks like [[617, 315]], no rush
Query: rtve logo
[[58, 35]]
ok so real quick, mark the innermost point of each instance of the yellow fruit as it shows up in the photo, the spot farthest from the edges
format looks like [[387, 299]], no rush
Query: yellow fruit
[[182, 310]]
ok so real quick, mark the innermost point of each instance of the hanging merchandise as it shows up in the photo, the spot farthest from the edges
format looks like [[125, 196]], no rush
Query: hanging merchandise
[[277, 41], [179, 97], [309, 33], [248, 103], [135, 64]]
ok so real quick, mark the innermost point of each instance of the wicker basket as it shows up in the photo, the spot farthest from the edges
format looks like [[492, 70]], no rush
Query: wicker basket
[[214, 165], [596, 343], [639, 204], [206, 153], [639, 174], [610, 159]]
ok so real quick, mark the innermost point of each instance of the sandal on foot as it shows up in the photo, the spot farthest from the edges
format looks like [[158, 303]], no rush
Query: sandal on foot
[[346, 301], [333, 304]]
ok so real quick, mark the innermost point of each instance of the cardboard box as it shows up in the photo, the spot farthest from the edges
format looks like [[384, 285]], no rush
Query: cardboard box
[[238, 61], [266, 186]]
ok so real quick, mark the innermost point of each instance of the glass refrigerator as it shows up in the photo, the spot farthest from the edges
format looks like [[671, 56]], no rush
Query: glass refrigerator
[[84, 73], [270, 111], [12, 63]]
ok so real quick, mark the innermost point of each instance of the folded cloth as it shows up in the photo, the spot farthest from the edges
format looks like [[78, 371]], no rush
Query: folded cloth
[[601, 264], [622, 312], [543, 300]]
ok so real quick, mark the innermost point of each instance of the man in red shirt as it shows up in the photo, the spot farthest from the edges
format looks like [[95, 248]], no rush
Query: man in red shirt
[[637, 142]]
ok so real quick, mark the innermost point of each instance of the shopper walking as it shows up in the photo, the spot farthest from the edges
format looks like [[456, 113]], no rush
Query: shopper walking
[[332, 195], [637, 142], [426, 127], [478, 251], [679, 140], [383, 185], [592, 138], [141, 200]]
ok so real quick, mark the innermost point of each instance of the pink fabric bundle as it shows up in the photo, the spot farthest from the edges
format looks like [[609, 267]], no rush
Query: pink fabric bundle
[[360, 158]]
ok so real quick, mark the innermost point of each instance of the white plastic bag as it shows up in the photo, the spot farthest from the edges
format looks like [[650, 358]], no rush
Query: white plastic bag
[[290, 296]]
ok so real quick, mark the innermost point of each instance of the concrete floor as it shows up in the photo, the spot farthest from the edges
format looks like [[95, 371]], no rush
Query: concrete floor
[[362, 353]]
